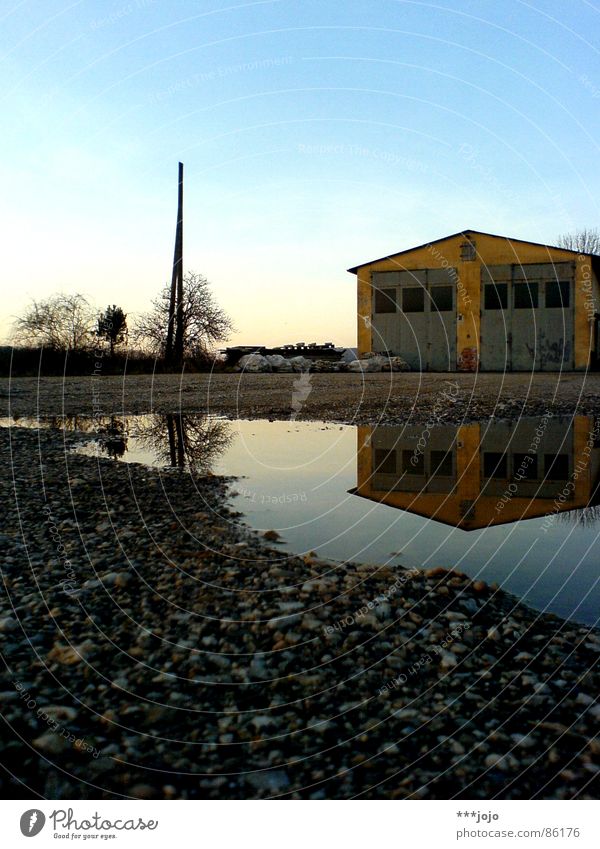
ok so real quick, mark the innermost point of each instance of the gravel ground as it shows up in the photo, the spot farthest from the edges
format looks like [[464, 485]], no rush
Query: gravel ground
[[347, 398], [157, 648]]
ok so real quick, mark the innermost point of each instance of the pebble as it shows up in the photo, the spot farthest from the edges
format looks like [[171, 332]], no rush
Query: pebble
[[271, 780], [50, 743], [216, 658]]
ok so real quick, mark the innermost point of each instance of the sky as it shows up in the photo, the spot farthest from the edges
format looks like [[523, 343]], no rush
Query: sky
[[315, 135]]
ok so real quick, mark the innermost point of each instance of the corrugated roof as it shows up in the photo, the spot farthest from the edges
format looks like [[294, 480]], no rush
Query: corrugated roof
[[355, 268]]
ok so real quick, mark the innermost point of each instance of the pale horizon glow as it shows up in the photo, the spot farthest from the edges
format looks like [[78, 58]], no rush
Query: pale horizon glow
[[315, 136]]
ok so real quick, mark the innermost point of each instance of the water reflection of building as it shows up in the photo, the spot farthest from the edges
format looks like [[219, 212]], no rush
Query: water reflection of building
[[477, 475]]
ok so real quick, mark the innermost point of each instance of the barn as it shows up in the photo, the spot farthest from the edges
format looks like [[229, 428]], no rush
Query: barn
[[475, 301], [476, 475]]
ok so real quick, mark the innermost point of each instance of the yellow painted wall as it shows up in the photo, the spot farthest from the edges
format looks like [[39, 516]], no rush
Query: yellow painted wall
[[491, 250], [452, 508], [586, 303], [364, 335]]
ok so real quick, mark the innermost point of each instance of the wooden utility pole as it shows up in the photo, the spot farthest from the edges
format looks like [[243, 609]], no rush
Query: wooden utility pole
[[174, 346]]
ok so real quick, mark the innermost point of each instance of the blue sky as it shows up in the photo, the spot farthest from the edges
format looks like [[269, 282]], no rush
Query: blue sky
[[315, 135]]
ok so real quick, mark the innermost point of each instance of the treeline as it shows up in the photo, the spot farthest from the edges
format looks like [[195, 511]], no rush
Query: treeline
[[65, 335], [49, 362]]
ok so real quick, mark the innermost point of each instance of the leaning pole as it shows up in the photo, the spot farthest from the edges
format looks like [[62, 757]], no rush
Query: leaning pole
[[174, 345]]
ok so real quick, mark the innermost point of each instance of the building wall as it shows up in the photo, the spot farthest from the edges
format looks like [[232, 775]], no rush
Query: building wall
[[467, 504], [491, 250]]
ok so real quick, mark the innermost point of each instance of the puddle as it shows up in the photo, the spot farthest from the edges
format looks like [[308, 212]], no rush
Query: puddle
[[512, 502]]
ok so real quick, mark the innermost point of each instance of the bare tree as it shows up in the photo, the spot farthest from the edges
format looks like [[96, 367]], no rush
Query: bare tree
[[63, 322], [204, 322], [584, 516], [112, 326], [586, 241]]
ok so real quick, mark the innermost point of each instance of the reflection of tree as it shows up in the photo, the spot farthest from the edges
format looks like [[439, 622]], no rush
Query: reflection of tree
[[191, 441], [585, 517], [112, 436], [110, 431], [72, 423]]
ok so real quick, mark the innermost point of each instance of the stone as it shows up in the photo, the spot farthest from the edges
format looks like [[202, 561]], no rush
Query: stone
[[373, 364], [262, 721], [447, 660], [50, 743], [300, 364], [436, 572], [254, 363], [278, 363], [60, 713], [8, 696], [144, 791], [122, 579], [270, 780], [395, 364], [8, 623], [496, 761], [69, 655], [525, 741], [324, 366]]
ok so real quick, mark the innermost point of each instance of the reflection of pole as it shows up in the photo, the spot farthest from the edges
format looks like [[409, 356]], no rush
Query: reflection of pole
[[180, 442], [171, 433], [174, 351]]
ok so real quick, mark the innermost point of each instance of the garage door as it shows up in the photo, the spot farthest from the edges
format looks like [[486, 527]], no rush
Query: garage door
[[403, 462], [414, 316], [527, 317], [533, 455]]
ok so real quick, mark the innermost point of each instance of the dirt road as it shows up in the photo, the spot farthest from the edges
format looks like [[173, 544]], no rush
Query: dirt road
[[345, 398]]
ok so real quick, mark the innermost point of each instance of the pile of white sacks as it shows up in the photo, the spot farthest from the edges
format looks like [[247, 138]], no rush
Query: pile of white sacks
[[255, 363]]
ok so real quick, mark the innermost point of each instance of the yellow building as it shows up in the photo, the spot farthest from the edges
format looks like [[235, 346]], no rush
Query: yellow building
[[477, 475], [475, 301]]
